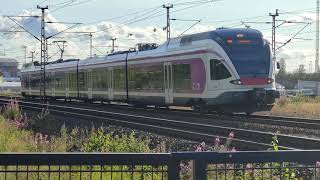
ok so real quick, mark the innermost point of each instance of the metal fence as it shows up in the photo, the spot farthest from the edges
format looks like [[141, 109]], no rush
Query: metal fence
[[194, 165]]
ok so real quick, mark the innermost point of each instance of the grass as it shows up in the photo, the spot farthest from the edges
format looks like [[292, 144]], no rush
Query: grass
[[13, 139], [298, 106]]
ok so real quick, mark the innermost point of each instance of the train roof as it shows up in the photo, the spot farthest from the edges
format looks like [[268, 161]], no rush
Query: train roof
[[167, 46]]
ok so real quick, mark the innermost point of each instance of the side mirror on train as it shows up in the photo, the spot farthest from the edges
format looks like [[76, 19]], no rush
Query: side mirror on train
[[278, 65]]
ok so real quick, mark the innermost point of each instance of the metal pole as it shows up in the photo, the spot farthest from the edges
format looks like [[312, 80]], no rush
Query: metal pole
[[127, 79], [43, 53], [25, 54], [168, 6], [90, 35], [273, 43], [127, 75], [60, 47], [32, 55], [317, 38], [113, 39]]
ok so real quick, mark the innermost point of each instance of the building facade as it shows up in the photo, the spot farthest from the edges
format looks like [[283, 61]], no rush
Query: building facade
[[8, 68]]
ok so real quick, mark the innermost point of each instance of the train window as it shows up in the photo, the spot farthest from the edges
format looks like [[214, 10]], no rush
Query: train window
[[119, 79], [148, 78], [35, 81], [182, 76], [59, 81], [218, 71], [82, 84], [72, 81], [99, 80]]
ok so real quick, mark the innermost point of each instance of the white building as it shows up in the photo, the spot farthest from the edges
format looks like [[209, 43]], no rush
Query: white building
[[312, 85]]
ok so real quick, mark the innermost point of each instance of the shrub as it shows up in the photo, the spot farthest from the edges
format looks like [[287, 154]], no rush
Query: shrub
[[99, 141], [300, 99], [13, 139], [11, 110]]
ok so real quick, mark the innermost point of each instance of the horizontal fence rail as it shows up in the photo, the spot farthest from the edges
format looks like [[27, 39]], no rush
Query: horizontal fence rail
[[172, 166]]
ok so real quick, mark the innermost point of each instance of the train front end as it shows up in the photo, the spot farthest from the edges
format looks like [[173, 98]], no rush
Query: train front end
[[251, 86]]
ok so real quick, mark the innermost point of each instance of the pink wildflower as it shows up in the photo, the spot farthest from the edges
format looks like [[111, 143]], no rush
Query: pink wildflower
[[217, 141], [198, 149], [249, 166], [201, 147], [231, 135]]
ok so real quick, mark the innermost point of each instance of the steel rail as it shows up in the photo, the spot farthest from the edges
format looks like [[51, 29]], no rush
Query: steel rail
[[292, 122]]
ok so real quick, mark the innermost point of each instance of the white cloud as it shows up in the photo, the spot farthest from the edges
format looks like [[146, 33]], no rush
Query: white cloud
[[78, 44]]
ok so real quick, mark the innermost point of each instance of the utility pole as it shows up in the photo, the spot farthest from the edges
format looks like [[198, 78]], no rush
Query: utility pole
[[168, 6], [317, 38], [112, 47], [44, 45], [90, 35], [273, 43], [25, 54], [32, 55], [43, 55]]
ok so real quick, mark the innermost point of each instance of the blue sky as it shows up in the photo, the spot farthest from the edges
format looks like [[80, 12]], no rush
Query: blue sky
[[227, 13]]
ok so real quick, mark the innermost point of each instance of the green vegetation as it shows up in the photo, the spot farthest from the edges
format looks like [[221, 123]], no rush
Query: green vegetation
[[17, 135], [99, 141], [289, 80], [298, 106]]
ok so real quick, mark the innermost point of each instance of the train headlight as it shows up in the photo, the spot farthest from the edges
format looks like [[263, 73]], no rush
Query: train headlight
[[270, 81], [236, 82]]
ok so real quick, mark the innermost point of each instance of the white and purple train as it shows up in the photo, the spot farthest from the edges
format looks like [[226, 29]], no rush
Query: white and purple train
[[224, 69]]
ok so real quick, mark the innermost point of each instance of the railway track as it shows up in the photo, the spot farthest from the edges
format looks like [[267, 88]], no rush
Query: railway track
[[292, 122], [179, 127]]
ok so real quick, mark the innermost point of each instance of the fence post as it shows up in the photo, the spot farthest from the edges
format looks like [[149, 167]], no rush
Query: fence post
[[173, 169], [199, 169]]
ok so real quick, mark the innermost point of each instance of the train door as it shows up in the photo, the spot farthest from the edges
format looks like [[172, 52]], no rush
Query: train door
[[53, 93], [89, 80], [29, 83], [81, 84], [168, 82], [67, 93], [110, 86]]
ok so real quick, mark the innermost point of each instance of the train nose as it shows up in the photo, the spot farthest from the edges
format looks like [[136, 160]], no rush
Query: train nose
[[252, 81], [256, 81]]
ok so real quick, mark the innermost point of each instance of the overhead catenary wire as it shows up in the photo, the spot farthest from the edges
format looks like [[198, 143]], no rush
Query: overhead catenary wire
[[157, 14], [128, 22], [69, 4], [288, 41]]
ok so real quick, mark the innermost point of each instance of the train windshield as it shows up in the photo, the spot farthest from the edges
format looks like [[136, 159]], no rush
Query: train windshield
[[248, 51], [250, 60]]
